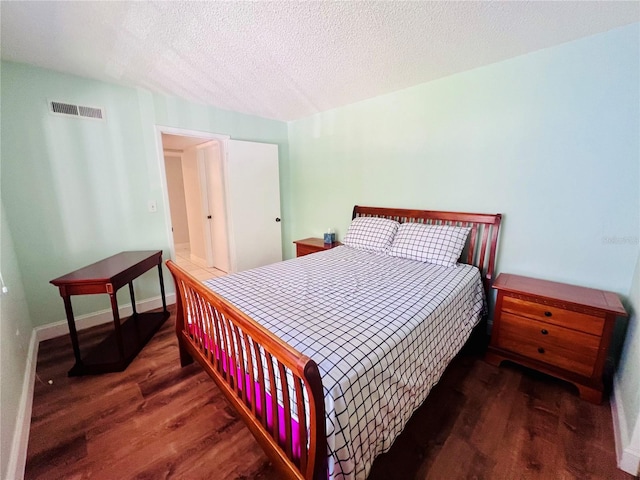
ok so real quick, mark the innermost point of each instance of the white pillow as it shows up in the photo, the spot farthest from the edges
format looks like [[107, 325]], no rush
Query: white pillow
[[437, 244], [371, 233]]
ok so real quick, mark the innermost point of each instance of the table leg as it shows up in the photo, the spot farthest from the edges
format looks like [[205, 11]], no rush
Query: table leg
[[73, 333], [133, 298], [164, 301], [116, 324]]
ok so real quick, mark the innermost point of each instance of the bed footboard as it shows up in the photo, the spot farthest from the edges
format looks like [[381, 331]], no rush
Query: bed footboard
[[275, 389]]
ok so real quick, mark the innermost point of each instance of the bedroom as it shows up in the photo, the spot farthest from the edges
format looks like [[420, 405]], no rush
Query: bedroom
[[548, 138]]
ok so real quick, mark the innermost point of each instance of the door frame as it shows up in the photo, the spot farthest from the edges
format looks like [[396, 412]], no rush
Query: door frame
[[207, 136]]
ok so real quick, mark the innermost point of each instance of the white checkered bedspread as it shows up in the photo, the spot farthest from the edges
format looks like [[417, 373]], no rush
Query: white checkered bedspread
[[381, 329]]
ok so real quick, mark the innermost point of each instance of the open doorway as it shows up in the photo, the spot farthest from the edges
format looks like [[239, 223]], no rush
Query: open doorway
[[196, 196], [243, 228]]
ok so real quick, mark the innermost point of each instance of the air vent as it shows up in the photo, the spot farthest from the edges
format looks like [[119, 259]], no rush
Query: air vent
[[90, 112], [78, 111], [65, 108]]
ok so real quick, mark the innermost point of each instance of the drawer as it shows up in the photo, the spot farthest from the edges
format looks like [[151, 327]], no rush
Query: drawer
[[302, 250], [555, 315], [545, 342]]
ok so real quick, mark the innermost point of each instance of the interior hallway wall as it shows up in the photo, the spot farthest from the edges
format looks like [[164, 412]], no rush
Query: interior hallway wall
[[178, 207]]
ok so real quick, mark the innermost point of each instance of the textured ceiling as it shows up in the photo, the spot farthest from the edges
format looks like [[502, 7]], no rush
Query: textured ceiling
[[287, 60]]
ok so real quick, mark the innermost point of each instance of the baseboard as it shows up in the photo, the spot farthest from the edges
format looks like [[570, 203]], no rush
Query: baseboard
[[18, 456], [627, 449], [18, 459], [58, 329]]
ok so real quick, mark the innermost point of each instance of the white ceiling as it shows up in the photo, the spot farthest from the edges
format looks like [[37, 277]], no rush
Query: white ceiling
[[284, 59]]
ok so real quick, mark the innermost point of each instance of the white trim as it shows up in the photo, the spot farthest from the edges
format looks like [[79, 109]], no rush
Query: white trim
[[634, 448], [18, 455], [627, 450], [202, 146], [233, 257], [57, 329]]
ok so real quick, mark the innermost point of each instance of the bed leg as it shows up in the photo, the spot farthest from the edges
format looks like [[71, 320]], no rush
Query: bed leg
[[185, 357]]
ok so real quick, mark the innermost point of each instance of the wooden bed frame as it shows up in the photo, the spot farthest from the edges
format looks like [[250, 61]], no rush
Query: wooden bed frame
[[234, 349]]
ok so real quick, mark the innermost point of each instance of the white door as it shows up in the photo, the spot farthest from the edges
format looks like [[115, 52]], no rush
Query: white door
[[215, 208], [192, 178], [253, 197]]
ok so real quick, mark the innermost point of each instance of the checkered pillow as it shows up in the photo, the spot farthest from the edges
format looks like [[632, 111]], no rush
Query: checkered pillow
[[371, 233], [437, 244]]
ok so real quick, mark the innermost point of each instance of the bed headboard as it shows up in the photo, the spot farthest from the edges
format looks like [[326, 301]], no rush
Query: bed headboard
[[483, 238]]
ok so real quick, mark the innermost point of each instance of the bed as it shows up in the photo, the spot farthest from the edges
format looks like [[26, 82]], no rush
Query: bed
[[327, 356]]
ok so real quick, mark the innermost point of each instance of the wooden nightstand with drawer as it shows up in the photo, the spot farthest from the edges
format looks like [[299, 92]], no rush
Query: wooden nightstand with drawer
[[559, 329], [312, 245]]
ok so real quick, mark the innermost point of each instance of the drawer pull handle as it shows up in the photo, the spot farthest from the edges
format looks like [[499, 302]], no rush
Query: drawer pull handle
[[547, 314], [544, 331], [540, 350]]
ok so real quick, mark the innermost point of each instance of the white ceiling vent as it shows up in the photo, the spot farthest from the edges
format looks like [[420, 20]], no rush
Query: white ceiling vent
[[61, 108]]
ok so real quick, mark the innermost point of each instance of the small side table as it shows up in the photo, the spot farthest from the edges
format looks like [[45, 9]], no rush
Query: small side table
[[118, 349], [312, 245], [559, 329]]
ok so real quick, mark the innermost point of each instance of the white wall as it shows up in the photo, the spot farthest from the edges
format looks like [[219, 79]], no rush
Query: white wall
[[627, 386], [13, 346], [177, 203]]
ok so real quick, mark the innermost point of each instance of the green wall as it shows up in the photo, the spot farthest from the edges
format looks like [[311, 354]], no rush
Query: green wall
[[15, 333], [76, 190], [549, 139]]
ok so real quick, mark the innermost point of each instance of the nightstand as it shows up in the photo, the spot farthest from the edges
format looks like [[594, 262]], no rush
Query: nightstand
[[559, 329], [312, 245]]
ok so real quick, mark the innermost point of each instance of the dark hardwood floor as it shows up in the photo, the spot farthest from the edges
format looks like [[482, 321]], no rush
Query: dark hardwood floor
[[156, 420]]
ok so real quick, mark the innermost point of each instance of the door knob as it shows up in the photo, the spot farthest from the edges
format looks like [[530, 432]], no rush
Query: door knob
[[277, 219]]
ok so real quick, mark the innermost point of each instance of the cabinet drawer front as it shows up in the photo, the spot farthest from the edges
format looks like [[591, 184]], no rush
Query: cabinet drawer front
[[558, 316], [545, 342], [302, 250]]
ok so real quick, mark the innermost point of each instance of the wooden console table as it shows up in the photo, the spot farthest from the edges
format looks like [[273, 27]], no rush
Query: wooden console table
[[118, 349]]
